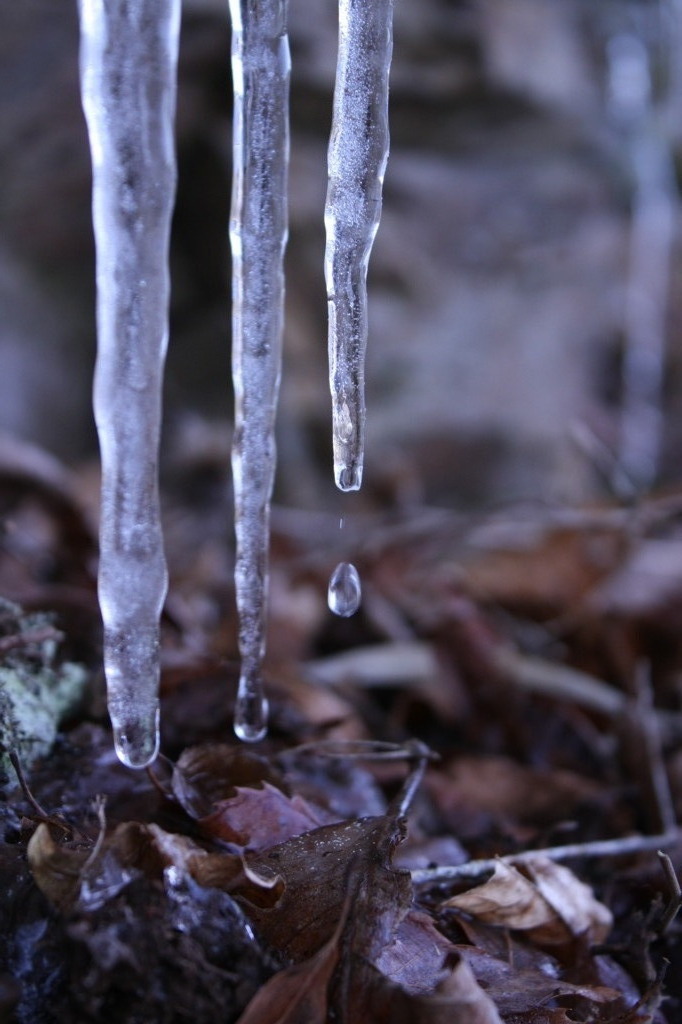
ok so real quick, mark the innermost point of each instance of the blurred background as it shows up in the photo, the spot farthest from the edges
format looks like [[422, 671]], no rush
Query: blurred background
[[525, 306]]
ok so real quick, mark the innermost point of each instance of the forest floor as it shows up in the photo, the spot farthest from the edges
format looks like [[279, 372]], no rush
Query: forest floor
[[465, 810]]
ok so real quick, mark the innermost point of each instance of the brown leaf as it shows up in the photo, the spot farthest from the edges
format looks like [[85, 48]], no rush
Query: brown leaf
[[298, 994], [506, 790], [319, 869], [553, 906], [57, 868], [516, 990], [259, 818], [571, 899], [203, 776], [416, 957], [458, 999]]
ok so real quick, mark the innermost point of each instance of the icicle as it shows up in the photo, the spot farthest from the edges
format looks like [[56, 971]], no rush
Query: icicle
[[655, 210], [258, 233], [345, 592], [128, 75], [358, 151]]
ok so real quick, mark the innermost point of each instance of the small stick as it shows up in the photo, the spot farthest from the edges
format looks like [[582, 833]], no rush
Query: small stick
[[674, 890], [600, 848], [402, 801], [16, 764]]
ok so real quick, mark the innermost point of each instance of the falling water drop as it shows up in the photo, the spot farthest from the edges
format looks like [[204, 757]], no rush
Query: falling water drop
[[345, 592]]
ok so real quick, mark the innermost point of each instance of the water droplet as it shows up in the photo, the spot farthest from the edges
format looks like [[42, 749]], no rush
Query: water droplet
[[250, 710], [345, 592], [137, 740]]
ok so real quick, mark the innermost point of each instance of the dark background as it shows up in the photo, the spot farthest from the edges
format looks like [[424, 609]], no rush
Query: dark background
[[497, 282]]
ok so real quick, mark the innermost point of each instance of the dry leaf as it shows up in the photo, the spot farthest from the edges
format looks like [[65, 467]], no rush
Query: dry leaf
[[298, 994], [203, 776], [458, 999], [259, 818], [56, 868], [415, 959], [553, 906], [319, 869]]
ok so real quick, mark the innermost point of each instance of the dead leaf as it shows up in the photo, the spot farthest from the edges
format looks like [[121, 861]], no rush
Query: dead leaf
[[522, 990], [299, 994], [57, 868], [318, 869], [458, 999], [259, 818], [553, 906], [203, 776], [415, 959], [573, 901], [504, 789]]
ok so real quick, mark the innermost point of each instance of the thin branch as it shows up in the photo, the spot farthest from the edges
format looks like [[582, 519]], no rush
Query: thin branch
[[601, 848], [674, 893]]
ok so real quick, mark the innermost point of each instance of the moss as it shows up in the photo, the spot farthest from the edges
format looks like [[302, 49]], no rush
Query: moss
[[36, 691]]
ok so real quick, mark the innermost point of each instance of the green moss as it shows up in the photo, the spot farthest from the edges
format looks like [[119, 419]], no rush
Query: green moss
[[36, 693]]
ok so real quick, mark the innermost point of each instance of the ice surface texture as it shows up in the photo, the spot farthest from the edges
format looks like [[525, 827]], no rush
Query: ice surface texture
[[128, 84], [358, 151], [258, 234]]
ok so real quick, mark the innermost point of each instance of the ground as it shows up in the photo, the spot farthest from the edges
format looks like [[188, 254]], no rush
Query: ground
[[509, 687]]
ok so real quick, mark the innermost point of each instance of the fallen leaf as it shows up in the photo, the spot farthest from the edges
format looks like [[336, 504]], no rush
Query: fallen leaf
[[299, 994], [522, 990], [203, 776], [259, 818], [57, 868], [416, 957], [553, 906], [573, 901], [319, 868], [458, 999]]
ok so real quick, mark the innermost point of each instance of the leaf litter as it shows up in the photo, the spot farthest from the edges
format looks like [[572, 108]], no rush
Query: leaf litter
[[536, 656]]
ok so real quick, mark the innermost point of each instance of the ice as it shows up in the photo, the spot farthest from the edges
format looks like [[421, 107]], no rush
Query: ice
[[358, 151], [258, 234], [128, 85], [345, 593], [655, 210]]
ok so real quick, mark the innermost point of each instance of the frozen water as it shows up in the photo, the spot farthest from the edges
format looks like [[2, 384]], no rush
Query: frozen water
[[345, 593], [258, 234], [358, 151], [128, 85]]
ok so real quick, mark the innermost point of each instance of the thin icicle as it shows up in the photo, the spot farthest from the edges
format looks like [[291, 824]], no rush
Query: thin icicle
[[358, 151], [655, 210], [128, 76], [258, 233]]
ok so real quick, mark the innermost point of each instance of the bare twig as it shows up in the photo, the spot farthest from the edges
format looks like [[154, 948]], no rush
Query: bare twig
[[601, 848], [28, 795], [420, 755], [31, 636], [364, 750], [674, 893]]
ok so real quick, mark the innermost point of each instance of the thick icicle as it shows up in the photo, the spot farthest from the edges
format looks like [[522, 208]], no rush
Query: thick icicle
[[358, 151], [128, 76], [258, 233]]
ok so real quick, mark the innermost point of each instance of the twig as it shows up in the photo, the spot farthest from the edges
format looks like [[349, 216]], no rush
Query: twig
[[650, 733], [31, 636], [675, 893], [365, 750], [600, 848], [28, 795], [402, 801]]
